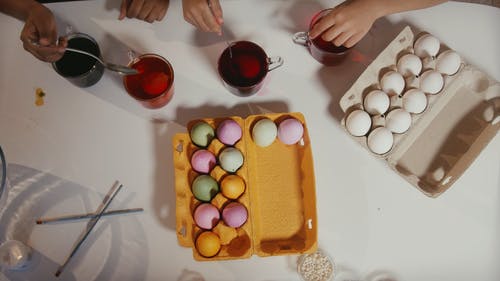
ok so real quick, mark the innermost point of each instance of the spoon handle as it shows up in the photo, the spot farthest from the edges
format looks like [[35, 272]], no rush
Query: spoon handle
[[86, 53]]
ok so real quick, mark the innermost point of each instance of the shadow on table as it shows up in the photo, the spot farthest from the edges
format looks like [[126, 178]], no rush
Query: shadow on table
[[33, 193], [338, 79], [164, 131], [297, 15]]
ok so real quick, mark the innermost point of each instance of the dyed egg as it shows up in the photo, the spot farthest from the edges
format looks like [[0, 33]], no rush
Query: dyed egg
[[205, 188], [398, 121], [230, 159], [414, 101], [358, 123], [203, 161], [431, 82], [448, 62], [409, 65], [376, 102], [392, 83], [229, 132], [206, 216], [234, 214], [232, 186], [208, 244], [426, 46], [264, 132], [380, 140], [202, 134], [290, 131]]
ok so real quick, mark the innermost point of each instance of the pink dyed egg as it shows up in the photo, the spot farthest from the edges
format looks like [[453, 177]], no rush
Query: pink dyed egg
[[203, 161], [290, 131], [229, 132], [234, 214], [206, 216]]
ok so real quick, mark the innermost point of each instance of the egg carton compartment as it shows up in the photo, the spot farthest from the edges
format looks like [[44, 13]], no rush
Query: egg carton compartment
[[447, 136], [279, 198]]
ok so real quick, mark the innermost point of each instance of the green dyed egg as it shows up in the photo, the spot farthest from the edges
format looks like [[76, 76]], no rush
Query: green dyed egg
[[205, 188], [202, 134]]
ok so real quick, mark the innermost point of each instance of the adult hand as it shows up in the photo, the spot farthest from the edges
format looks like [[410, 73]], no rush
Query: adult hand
[[203, 14], [39, 35], [146, 10], [347, 23]]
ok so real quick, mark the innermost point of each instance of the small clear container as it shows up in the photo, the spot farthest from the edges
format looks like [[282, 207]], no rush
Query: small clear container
[[316, 266], [14, 255]]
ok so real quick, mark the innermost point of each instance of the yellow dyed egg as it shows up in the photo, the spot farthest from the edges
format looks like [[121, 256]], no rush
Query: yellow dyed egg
[[232, 186], [208, 244]]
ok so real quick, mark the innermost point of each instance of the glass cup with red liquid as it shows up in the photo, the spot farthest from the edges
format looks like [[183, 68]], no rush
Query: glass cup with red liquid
[[243, 66], [323, 51], [153, 87]]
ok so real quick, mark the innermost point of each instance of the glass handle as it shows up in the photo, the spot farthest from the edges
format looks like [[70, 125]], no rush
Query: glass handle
[[274, 62], [301, 38]]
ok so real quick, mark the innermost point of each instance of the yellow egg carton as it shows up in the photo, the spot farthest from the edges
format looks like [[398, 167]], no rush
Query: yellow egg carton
[[279, 195]]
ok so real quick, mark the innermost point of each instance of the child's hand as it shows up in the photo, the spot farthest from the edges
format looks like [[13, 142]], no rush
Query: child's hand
[[146, 10], [204, 14], [39, 35], [347, 23]]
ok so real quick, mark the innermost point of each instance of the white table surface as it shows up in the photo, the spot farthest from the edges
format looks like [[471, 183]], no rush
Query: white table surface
[[65, 155]]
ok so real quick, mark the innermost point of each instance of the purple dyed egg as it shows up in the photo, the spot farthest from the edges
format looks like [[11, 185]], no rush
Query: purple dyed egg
[[229, 132], [206, 216], [234, 214], [203, 161], [290, 131]]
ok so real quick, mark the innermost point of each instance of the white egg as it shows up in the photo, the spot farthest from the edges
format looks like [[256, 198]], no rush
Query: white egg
[[414, 101], [392, 83], [380, 140], [264, 132], [431, 82], [426, 46], [409, 65], [231, 159], [448, 62], [358, 123], [376, 102], [398, 121]]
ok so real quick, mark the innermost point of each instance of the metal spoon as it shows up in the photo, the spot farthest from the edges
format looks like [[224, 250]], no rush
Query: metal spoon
[[123, 70]]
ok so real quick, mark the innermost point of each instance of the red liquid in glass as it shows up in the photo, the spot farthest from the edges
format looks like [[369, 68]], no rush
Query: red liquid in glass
[[246, 67], [154, 78]]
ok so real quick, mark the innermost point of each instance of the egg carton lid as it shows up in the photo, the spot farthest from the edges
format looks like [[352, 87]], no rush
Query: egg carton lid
[[445, 139]]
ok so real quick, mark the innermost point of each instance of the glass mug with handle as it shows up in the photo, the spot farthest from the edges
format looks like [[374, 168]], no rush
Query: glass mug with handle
[[153, 86], [243, 67], [323, 51], [81, 70]]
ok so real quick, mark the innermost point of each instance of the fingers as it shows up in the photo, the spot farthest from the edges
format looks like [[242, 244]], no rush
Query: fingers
[[342, 38], [353, 40], [147, 10], [217, 11], [134, 8], [43, 53], [123, 9], [322, 25], [211, 22], [203, 15]]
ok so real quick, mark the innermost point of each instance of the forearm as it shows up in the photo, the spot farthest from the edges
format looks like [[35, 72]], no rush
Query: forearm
[[387, 7], [17, 8]]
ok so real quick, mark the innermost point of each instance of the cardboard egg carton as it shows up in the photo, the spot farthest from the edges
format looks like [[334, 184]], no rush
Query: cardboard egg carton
[[279, 195], [445, 139]]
